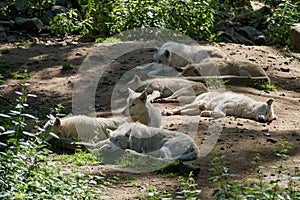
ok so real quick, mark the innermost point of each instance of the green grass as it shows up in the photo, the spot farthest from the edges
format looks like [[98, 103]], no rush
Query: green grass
[[79, 158], [112, 40], [20, 75], [263, 85]]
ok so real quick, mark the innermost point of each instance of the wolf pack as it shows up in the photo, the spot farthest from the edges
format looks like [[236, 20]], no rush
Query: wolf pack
[[140, 130]]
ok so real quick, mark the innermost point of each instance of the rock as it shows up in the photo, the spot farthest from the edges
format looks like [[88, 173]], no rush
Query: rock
[[32, 25], [17, 8], [230, 35], [50, 14], [295, 36], [254, 18], [252, 34]]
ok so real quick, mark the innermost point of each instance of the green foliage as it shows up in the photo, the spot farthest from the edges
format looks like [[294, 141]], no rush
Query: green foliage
[[70, 23], [187, 190], [25, 170], [112, 17], [263, 85], [79, 158], [19, 75], [128, 160], [285, 13]]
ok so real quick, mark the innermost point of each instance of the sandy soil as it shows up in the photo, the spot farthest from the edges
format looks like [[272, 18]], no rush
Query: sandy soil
[[239, 140]]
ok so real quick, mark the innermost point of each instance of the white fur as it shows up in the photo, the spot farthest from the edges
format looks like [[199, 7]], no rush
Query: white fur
[[215, 104], [166, 87], [141, 110], [179, 55], [223, 66], [81, 127], [159, 143]]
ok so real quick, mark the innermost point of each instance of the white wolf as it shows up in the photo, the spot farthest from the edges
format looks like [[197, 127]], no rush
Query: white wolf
[[179, 55], [159, 143], [81, 127], [173, 88], [224, 67], [216, 104], [140, 109]]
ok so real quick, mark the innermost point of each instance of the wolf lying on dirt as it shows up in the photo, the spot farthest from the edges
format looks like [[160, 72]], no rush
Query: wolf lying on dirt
[[166, 87], [159, 143], [217, 104], [140, 109], [81, 127], [223, 67], [179, 55]]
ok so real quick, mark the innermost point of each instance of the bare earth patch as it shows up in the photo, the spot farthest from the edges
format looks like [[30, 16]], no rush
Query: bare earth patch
[[239, 140]]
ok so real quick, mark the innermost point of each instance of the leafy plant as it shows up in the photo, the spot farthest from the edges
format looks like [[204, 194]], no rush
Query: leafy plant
[[18, 75], [70, 23], [79, 158], [263, 85], [285, 13], [26, 172], [187, 190], [107, 18]]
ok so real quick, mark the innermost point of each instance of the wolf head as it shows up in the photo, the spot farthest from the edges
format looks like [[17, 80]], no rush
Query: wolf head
[[166, 57], [136, 105], [133, 84], [191, 70], [52, 129], [120, 137], [266, 112]]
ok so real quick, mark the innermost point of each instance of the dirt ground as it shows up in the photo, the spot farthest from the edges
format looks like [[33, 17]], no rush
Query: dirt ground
[[239, 139]]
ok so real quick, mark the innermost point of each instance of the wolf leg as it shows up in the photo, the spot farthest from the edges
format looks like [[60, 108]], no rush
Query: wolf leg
[[189, 109]]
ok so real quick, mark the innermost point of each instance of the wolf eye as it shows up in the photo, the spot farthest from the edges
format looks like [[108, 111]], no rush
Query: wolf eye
[[133, 104]]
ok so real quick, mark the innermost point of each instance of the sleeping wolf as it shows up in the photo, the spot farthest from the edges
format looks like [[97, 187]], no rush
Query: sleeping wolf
[[159, 143], [171, 88], [141, 110], [216, 104], [179, 55], [224, 67], [80, 127]]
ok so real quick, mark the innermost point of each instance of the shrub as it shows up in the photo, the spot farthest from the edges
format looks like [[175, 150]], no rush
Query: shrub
[[193, 18], [284, 14]]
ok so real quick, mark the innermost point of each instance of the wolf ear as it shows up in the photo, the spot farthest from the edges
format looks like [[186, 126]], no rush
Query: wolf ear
[[270, 101], [167, 53], [109, 131], [143, 97], [131, 92], [136, 79], [57, 122]]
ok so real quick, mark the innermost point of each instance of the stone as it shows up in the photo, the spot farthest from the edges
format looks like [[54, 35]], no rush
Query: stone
[[231, 35], [252, 34], [31, 25], [50, 14], [295, 36]]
